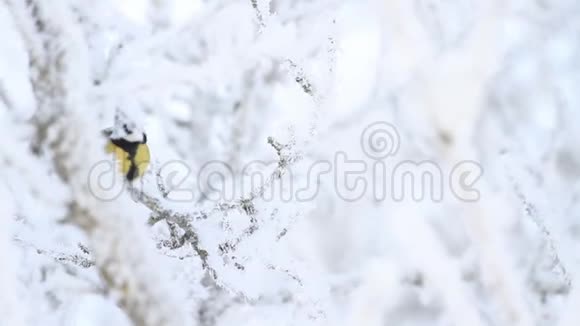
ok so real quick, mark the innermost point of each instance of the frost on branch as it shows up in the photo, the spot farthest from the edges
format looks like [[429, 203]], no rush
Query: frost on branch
[[186, 221]]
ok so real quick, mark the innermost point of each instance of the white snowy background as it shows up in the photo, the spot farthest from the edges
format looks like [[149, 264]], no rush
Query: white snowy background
[[289, 83]]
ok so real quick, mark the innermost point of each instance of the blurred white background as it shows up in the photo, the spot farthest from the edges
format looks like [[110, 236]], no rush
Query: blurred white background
[[491, 82]]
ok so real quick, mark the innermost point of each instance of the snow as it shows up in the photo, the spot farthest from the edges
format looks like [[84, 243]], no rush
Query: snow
[[280, 95]]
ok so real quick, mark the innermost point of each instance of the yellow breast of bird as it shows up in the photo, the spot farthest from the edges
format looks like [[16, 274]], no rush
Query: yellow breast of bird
[[121, 157], [142, 158], [128, 164]]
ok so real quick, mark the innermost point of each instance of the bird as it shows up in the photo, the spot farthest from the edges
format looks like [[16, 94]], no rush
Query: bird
[[129, 147]]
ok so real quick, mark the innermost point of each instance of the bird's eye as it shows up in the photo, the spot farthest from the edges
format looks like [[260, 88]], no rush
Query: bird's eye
[[126, 129]]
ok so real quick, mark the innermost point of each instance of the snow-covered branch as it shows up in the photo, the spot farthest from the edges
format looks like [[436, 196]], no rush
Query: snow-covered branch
[[60, 81], [186, 220]]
